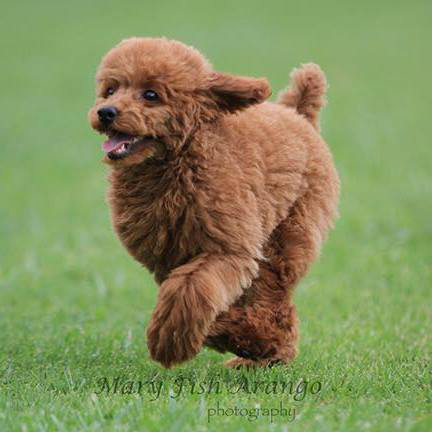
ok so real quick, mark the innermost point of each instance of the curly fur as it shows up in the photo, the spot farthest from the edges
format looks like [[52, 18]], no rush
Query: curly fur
[[227, 204]]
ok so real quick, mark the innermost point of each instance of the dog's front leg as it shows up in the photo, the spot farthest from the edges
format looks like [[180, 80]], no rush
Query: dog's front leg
[[189, 301]]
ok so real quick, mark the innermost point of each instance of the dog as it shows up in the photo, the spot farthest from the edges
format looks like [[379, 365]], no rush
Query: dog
[[225, 197]]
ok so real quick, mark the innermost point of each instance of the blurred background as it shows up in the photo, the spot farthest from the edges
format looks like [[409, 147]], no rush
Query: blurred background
[[66, 282]]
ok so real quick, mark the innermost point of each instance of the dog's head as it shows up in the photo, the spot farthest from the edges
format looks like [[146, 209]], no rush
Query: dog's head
[[153, 93]]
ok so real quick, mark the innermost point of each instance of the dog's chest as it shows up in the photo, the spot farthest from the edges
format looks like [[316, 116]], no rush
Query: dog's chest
[[156, 221]]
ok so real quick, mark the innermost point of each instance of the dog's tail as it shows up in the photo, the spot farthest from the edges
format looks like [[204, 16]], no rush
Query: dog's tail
[[307, 92]]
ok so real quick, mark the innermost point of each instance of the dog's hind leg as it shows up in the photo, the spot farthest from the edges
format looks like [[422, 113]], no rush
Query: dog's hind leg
[[261, 328]]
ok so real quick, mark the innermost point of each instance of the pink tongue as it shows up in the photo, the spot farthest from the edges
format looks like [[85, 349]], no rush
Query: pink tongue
[[115, 142]]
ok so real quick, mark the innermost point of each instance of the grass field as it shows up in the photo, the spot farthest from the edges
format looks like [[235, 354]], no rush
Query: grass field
[[73, 304]]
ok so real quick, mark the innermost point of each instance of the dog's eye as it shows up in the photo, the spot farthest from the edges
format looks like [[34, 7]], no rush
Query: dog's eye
[[109, 91], [150, 95]]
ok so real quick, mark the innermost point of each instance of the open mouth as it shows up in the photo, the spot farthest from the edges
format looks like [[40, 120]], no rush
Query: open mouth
[[119, 144]]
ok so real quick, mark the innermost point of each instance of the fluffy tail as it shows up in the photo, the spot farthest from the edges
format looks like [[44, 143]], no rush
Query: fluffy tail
[[307, 92]]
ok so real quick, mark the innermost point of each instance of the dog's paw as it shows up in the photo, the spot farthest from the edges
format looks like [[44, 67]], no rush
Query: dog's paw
[[179, 324], [243, 363], [173, 340]]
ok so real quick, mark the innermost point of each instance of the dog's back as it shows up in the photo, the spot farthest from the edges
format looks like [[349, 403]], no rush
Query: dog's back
[[280, 151]]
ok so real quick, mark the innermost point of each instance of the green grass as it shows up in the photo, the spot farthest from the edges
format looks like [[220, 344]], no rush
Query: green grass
[[73, 304]]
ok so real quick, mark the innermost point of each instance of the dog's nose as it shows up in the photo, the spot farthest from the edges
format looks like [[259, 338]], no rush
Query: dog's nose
[[107, 115]]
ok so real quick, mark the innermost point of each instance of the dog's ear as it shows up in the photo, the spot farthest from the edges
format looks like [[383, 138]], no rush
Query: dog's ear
[[232, 93]]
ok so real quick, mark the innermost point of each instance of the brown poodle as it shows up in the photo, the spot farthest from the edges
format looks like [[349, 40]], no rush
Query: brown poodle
[[226, 198]]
